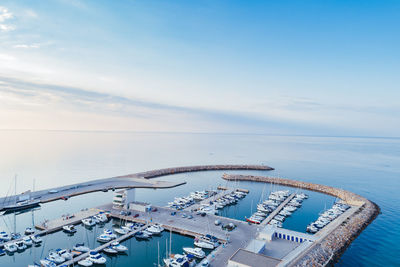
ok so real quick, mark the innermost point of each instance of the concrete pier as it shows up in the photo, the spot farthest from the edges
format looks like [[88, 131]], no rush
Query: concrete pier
[[277, 210]]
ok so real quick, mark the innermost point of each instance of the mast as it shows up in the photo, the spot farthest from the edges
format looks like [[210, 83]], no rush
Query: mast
[[170, 240], [158, 253]]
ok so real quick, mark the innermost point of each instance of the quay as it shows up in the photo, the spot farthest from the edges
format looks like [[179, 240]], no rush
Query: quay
[[277, 210], [135, 180]]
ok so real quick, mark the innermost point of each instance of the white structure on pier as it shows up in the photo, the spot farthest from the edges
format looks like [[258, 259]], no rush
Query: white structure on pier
[[123, 198]]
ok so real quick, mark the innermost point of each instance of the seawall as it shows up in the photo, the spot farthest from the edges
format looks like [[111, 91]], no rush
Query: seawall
[[327, 250], [175, 170]]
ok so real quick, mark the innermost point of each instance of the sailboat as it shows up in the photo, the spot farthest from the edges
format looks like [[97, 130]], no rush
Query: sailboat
[[21, 202]]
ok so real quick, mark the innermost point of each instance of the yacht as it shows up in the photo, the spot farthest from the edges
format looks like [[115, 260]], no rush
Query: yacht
[[22, 205], [110, 233], [36, 239], [121, 231], [81, 247], [20, 245], [47, 263], [104, 238], [85, 262], [155, 230], [110, 250], [70, 229], [27, 241], [29, 231], [5, 237], [141, 235], [197, 252], [89, 222], [10, 247], [64, 253], [96, 258], [179, 260], [54, 257], [204, 243], [118, 247]]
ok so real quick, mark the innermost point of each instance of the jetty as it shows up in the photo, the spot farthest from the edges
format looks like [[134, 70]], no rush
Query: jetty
[[135, 180]]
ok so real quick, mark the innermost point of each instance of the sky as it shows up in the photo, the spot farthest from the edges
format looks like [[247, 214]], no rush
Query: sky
[[267, 67]]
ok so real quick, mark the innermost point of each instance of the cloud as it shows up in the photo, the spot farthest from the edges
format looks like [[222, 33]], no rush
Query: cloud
[[27, 46], [5, 15]]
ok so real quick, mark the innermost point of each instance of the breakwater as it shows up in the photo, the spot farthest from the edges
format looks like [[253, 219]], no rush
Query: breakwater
[[198, 168], [328, 248]]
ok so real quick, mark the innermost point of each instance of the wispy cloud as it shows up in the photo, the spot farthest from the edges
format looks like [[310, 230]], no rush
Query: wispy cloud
[[27, 46], [5, 16]]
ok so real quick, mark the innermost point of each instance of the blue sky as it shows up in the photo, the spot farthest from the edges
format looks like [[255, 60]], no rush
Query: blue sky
[[287, 67]]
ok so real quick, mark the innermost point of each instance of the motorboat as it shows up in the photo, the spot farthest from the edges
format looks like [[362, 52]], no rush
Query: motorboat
[[81, 247], [153, 229], [101, 217], [15, 236], [141, 235], [110, 233], [110, 250], [121, 231], [36, 239], [5, 237], [47, 263], [203, 244], [96, 258], [64, 253], [178, 260], [89, 222], [197, 252], [70, 229], [54, 257], [29, 231], [118, 247], [27, 241], [20, 245], [10, 247], [85, 262], [104, 238]]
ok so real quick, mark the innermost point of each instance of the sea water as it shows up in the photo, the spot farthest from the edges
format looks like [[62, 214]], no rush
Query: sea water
[[367, 166]]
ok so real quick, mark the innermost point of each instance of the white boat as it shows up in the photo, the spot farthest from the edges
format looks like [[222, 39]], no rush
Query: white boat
[[27, 241], [178, 260], [29, 231], [20, 245], [109, 233], [103, 238], [154, 230], [197, 252], [118, 247], [10, 247], [69, 229], [47, 263], [96, 258], [203, 244], [64, 253], [121, 231], [5, 236], [110, 250], [101, 217], [81, 247], [53, 256], [88, 222], [36, 239], [85, 262]]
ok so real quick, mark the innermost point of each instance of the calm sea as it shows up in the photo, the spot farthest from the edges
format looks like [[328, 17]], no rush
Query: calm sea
[[367, 166]]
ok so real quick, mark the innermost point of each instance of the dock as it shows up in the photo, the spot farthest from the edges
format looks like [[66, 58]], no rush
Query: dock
[[277, 210]]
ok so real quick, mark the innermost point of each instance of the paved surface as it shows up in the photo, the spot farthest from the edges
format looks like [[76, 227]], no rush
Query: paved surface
[[89, 187], [277, 210], [198, 226]]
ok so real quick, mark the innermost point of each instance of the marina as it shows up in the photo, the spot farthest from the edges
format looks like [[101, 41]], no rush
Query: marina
[[199, 221]]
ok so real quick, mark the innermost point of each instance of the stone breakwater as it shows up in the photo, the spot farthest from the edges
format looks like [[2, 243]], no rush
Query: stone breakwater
[[175, 170], [327, 250]]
